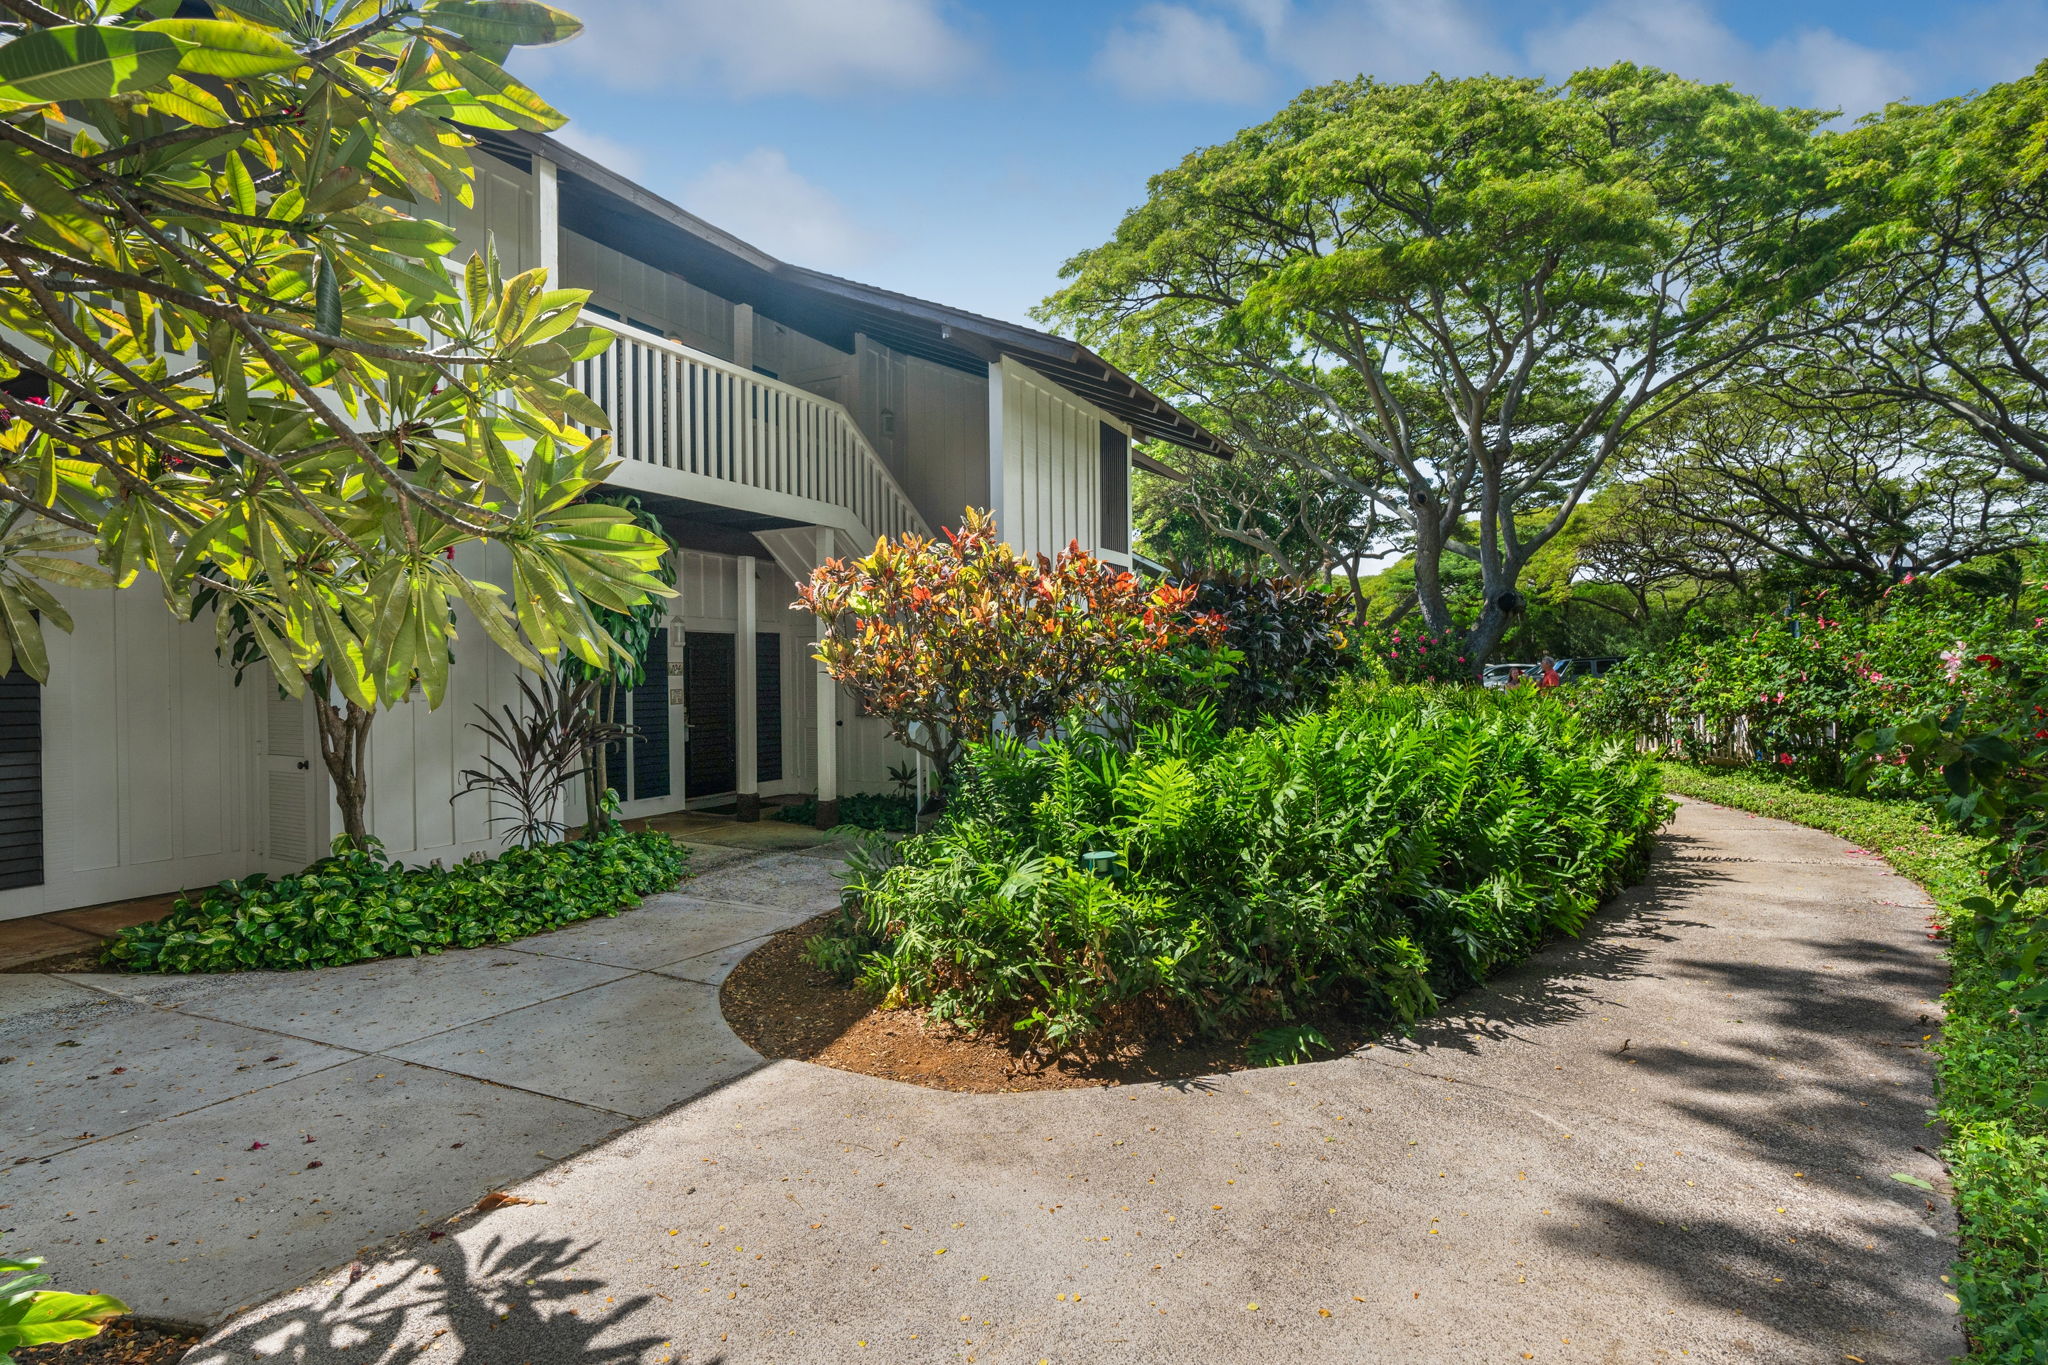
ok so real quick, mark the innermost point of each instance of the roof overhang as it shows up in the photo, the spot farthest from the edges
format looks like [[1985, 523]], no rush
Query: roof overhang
[[599, 203]]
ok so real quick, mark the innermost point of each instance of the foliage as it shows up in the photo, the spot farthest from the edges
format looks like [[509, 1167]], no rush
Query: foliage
[[1950, 310], [942, 638], [1482, 288], [1990, 1061], [1810, 489], [1804, 682], [861, 810], [533, 752], [234, 359], [31, 1315], [1992, 755], [359, 904], [633, 631], [1286, 1045], [1374, 855], [1286, 641], [1417, 654]]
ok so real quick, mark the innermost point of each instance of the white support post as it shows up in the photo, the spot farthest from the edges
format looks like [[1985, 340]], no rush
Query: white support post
[[995, 446], [743, 335], [828, 722], [749, 695], [547, 226]]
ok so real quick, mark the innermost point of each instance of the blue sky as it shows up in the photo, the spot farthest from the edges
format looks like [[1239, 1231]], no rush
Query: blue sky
[[960, 151]]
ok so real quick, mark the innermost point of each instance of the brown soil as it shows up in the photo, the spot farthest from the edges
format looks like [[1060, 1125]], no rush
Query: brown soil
[[783, 1007], [124, 1342]]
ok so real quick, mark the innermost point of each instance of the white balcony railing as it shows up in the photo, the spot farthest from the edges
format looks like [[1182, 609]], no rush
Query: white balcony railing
[[680, 409]]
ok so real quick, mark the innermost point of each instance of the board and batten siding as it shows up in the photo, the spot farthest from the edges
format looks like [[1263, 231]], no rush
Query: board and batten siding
[[1046, 448], [147, 756], [646, 296], [500, 211]]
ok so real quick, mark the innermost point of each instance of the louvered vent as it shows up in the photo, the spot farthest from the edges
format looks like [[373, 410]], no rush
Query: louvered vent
[[21, 781], [291, 840], [285, 720]]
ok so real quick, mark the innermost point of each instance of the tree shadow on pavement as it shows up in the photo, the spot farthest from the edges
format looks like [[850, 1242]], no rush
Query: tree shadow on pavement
[[1567, 978], [509, 1301], [1864, 1284]]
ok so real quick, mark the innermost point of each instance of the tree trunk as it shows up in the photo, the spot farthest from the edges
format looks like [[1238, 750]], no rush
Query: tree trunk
[[345, 749], [1429, 559], [1504, 605], [597, 771]]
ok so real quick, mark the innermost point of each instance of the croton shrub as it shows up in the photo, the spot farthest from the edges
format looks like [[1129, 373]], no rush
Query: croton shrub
[[947, 637]]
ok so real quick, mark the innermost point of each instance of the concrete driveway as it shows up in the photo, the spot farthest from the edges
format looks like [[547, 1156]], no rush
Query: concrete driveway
[[1672, 1138]]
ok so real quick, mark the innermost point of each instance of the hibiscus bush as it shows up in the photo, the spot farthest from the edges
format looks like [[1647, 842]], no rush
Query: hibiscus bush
[[1795, 689], [1417, 654]]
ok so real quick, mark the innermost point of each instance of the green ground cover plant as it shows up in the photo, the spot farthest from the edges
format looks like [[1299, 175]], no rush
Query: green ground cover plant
[[359, 904], [1992, 1065], [862, 810], [1372, 856]]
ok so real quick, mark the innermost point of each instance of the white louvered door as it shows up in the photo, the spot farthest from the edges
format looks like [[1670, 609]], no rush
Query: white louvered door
[[294, 789]]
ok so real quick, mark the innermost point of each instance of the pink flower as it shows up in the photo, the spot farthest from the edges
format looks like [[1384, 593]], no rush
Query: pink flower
[[1785, 759]]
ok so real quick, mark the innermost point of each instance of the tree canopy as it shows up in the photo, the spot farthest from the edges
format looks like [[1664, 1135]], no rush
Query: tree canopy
[[1489, 285], [235, 356]]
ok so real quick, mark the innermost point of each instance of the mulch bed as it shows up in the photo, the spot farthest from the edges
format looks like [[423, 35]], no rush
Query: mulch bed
[[783, 1007], [124, 1342]]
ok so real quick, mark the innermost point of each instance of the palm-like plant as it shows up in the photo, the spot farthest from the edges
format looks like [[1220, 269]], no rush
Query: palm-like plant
[[535, 751]]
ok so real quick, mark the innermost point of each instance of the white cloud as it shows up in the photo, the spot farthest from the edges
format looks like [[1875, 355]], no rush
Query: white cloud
[[1815, 67], [1393, 40], [761, 47], [761, 199], [1172, 52], [1237, 50], [1677, 35], [606, 151], [1831, 72]]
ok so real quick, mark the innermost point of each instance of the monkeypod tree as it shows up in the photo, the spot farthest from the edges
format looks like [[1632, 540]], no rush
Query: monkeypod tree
[[1857, 491], [233, 359], [947, 639], [1485, 285], [1950, 310]]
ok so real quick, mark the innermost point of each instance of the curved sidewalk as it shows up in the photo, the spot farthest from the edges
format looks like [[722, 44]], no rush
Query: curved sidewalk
[[1671, 1138]]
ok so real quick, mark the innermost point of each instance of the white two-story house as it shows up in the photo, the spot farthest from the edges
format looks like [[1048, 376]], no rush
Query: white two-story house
[[770, 415]]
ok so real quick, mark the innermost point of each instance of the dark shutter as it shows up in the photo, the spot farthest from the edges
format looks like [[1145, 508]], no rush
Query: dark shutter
[[650, 720], [21, 781], [768, 707], [1116, 489]]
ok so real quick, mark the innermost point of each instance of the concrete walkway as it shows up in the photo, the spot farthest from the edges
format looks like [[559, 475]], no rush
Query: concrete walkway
[[1672, 1138], [196, 1144]]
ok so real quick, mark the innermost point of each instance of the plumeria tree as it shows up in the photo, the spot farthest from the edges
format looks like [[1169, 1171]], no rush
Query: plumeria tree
[[233, 357], [948, 638]]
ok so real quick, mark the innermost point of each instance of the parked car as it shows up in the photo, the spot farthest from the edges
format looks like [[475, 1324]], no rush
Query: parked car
[[1506, 674]]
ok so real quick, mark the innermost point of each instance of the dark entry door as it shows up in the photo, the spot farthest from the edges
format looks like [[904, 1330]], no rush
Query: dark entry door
[[710, 683], [650, 775]]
